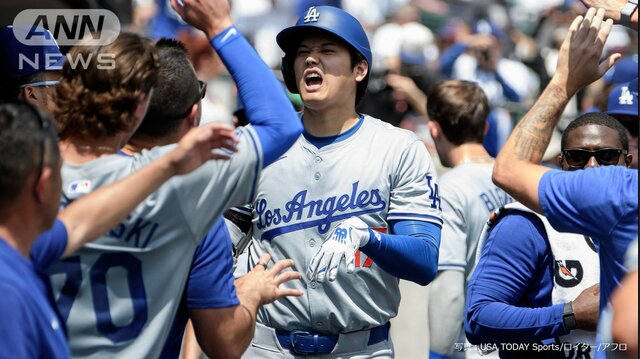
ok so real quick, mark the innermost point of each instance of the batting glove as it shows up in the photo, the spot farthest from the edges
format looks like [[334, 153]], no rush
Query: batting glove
[[343, 242]]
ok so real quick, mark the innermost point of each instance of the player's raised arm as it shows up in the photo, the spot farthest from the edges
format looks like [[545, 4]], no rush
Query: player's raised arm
[[266, 104], [92, 215], [517, 169], [623, 12]]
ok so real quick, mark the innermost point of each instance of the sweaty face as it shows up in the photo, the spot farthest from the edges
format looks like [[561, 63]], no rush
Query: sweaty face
[[603, 139], [323, 72]]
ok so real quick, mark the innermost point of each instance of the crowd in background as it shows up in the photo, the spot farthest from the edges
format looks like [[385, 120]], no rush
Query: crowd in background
[[509, 47]]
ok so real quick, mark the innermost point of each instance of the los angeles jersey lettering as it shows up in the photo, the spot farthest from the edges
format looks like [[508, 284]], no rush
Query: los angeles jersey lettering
[[379, 174]]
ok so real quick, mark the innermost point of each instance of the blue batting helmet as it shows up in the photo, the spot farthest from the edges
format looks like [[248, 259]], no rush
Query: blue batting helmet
[[331, 20]]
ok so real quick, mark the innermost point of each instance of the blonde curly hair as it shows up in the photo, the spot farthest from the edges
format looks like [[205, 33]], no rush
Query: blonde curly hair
[[100, 100]]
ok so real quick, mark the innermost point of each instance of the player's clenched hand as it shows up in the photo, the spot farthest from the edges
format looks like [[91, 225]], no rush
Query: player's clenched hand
[[343, 242], [194, 149], [579, 57], [265, 282], [210, 16]]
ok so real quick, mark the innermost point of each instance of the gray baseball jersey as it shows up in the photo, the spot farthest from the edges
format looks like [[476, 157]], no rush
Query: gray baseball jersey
[[376, 172], [468, 198], [120, 294]]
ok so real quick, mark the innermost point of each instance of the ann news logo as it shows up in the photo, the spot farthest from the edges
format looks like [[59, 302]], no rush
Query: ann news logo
[[38, 34], [95, 27]]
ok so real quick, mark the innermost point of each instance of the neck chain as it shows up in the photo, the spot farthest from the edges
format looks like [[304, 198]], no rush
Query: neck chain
[[482, 159], [107, 149]]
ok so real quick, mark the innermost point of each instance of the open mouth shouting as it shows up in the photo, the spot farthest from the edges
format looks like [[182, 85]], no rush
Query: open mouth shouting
[[312, 80]]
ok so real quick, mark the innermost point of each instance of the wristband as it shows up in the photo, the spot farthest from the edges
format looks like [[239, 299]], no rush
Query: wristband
[[627, 11], [568, 318]]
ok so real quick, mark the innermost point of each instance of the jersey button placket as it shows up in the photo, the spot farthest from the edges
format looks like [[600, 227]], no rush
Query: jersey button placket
[[312, 243], [317, 166]]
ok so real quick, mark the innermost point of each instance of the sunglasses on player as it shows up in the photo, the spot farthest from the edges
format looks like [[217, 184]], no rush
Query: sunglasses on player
[[41, 84], [202, 91], [577, 157]]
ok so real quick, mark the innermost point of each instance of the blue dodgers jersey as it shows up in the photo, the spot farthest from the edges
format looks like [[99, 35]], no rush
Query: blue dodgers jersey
[[210, 283], [509, 293], [598, 202], [30, 327], [119, 295], [49, 246], [211, 277]]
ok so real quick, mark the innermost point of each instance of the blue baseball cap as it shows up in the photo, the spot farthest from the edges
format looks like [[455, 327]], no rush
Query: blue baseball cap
[[623, 99], [624, 70], [488, 27], [19, 60]]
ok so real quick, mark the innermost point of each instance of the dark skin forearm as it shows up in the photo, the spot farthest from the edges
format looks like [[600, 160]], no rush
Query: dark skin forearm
[[517, 169], [586, 308], [526, 145], [533, 133]]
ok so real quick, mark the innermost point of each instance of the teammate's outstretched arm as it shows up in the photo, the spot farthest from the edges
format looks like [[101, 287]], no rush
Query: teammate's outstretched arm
[[266, 104], [227, 332], [517, 169], [94, 214]]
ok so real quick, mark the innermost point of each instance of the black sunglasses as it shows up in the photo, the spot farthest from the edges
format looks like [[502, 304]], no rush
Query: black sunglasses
[[44, 129], [44, 125], [577, 157], [202, 89]]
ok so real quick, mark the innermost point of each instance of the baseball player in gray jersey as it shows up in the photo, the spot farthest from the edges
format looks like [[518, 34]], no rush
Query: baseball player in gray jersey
[[119, 295], [352, 189], [458, 113]]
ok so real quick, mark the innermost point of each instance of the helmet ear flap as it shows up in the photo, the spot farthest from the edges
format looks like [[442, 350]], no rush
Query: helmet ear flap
[[288, 75]]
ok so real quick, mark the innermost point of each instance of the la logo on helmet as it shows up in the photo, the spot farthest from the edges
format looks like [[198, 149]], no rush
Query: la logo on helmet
[[312, 15]]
